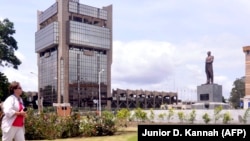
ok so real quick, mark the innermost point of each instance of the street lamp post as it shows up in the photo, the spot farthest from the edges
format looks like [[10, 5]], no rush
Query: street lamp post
[[78, 91], [52, 96], [99, 82]]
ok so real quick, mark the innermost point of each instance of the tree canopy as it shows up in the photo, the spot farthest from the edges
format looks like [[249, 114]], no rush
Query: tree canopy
[[4, 84], [8, 45], [238, 91]]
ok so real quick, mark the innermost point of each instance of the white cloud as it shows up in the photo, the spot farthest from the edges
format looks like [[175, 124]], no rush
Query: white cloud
[[157, 45], [153, 65]]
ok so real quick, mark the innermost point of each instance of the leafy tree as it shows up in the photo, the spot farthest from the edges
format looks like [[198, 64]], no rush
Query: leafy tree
[[123, 116], [152, 114], [170, 113], [217, 113], [162, 116], [4, 84], [238, 91], [227, 117], [140, 115], [181, 116], [206, 118], [192, 116], [8, 45]]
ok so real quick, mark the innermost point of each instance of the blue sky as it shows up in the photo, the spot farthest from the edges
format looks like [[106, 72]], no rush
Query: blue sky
[[158, 45]]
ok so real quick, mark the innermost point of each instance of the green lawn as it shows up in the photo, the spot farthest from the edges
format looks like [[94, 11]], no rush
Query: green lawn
[[122, 137], [128, 134], [133, 138]]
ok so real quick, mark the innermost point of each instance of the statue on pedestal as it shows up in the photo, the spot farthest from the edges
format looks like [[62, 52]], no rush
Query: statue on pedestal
[[209, 68]]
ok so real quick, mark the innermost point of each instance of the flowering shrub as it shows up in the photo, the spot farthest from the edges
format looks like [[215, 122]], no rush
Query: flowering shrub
[[42, 126], [71, 126], [50, 126], [98, 126]]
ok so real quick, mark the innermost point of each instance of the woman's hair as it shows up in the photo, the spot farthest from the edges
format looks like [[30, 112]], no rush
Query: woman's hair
[[13, 85]]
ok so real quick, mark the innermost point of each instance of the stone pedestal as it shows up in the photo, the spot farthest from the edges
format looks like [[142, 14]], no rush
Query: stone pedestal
[[209, 105], [209, 96], [209, 93]]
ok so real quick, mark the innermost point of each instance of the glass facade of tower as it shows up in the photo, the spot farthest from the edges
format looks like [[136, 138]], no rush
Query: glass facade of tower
[[48, 75], [85, 34], [77, 62], [84, 66]]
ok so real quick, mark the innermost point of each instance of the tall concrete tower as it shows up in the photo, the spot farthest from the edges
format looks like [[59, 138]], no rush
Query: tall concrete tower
[[73, 43], [246, 99]]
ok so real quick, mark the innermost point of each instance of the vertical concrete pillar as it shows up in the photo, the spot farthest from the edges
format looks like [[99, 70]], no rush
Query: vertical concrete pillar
[[246, 99]]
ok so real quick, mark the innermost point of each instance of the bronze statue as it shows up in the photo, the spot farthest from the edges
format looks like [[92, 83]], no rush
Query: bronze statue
[[209, 68]]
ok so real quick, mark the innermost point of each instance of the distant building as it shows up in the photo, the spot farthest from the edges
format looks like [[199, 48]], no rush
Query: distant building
[[142, 98], [73, 43]]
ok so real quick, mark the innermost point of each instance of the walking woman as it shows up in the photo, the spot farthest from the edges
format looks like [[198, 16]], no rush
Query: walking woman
[[14, 115]]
